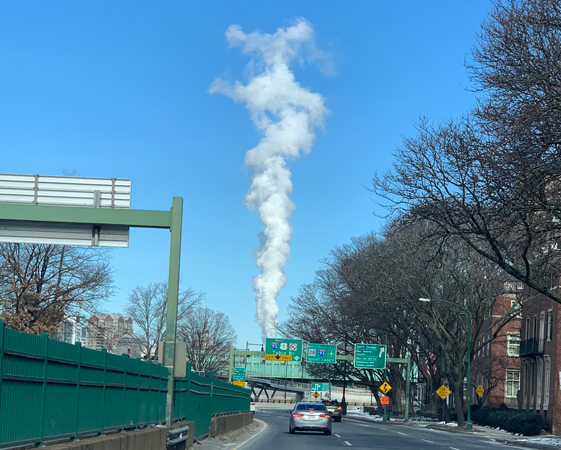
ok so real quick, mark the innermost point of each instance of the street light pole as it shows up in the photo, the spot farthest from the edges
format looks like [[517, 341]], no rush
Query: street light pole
[[469, 423]]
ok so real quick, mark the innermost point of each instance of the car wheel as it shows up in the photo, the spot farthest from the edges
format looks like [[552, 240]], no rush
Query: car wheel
[[291, 430], [327, 432]]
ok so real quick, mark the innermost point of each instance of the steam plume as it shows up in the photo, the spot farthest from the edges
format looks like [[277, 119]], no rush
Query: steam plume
[[286, 114]]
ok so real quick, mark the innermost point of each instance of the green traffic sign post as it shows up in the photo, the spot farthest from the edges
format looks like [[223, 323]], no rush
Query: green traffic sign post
[[370, 356], [321, 354], [239, 374], [320, 386], [283, 349]]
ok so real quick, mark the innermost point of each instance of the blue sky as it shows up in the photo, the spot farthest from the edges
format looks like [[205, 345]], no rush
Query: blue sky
[[121, 89]]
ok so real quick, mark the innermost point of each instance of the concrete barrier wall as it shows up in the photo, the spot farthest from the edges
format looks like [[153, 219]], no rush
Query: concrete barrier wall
[[148, 439], [230, 422], [155, 438]]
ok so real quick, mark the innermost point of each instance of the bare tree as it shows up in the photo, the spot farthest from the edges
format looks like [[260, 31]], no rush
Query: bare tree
[[209, 336], [41, 284], [147, 306], [370, 290], [492, 178]]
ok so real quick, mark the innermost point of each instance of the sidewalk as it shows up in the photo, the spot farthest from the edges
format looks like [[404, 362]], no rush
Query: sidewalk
[[545, 441]]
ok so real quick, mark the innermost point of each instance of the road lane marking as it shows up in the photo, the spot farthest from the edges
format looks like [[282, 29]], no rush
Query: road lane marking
[[337, 435], [383, 428], [348, 443], [454, 448], [430, 442], [252, 437], [403, 434]]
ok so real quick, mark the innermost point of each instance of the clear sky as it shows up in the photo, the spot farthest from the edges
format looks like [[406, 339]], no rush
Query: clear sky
[[123, 89]]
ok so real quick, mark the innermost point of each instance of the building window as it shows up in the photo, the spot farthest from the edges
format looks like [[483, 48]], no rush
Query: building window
[[515, 306], [527, 328], [547, 382], [513, 345], [539, 384], [549, 324], [512, 382]]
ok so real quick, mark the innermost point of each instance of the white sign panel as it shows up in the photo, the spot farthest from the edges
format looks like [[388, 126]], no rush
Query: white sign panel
[[64, 191]]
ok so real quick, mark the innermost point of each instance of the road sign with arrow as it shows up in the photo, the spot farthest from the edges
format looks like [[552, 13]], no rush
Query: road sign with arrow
[[283, 349]]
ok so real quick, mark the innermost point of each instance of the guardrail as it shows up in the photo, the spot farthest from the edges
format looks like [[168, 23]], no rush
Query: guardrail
[[177, 436]]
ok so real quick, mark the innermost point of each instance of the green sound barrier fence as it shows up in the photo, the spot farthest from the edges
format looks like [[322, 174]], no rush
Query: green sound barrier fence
[[52, 391]]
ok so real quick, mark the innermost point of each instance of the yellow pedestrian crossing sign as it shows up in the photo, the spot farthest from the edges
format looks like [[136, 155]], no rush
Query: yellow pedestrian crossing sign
[[443, 392], [385, 388]]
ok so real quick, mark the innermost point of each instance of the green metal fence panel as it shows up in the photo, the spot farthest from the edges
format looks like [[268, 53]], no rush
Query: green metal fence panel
[[52, 391], [91, 395]]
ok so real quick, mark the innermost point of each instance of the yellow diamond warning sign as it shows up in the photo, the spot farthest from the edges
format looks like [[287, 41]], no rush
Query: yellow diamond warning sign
[[385, 388], [443, 392], [480, 390]]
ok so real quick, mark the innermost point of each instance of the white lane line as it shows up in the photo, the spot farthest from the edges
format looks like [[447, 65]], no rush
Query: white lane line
[[383, 428], [430, 442], [337, 435], [403, 434], [348, 443], [454, 448], [252, 437]]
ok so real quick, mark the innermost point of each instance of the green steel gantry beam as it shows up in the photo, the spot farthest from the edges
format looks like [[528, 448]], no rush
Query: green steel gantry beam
[[171, 220]]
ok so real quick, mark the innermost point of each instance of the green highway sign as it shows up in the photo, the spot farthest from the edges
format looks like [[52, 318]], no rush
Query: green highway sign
[[370, 356], [239, 374], [321, 353], [320, 387], [283, 349]]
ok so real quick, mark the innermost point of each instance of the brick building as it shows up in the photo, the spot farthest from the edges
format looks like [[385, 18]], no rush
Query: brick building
[[496, 363], [540, 354]]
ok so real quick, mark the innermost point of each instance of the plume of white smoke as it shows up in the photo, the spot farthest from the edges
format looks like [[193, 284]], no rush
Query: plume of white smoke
[[286, 114]]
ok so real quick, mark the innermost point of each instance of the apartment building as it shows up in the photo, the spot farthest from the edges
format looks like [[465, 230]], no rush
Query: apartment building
[[496, 363], [105, 329], [540, 354], [70, 330]]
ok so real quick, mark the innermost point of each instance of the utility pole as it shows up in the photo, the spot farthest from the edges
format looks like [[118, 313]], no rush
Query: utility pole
[[344, 400]]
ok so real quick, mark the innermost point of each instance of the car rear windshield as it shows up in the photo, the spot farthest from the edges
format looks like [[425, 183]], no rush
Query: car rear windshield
[[317, 407]]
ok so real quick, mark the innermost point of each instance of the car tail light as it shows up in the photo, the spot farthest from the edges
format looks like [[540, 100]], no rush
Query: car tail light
[[297, 415], [340, 408], [324, 416]]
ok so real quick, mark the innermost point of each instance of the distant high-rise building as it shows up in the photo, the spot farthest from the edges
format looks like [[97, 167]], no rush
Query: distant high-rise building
[[70, 330], [105, 329]]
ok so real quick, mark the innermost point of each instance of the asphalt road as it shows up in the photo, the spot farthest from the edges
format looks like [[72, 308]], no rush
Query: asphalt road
[[357, 435]]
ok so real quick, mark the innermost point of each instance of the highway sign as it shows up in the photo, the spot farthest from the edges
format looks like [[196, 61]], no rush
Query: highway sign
[[321, 353], [283, 349], [443, 392], [385, 388], [370, 356], [239, 383], [239, 374], [480, 390], [385, 400], [316, 394], [320, 387]]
